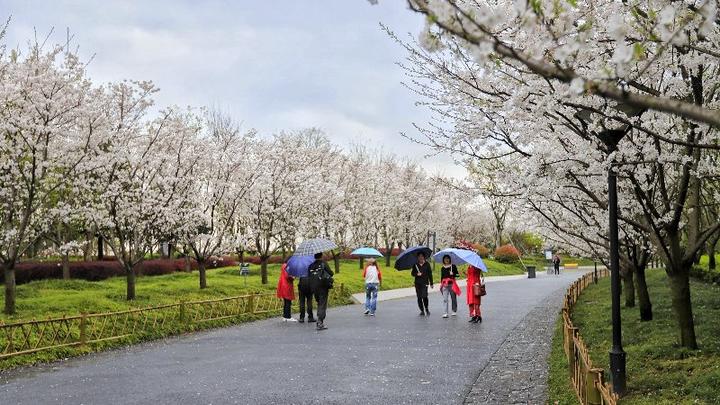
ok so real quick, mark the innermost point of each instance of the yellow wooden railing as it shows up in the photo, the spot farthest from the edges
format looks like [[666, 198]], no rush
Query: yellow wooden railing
[[26, 337], [588, 381]]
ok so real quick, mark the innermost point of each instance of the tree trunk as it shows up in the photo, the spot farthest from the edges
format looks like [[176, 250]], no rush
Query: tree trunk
[[263, 269], [682, 306], [362, 263], [130, 278], [711, 261], [336, 259], [188, 267], [643, 295], [388, 253], [201, 271], [100, 249], [66, 266], [9, 271], [629, 289]]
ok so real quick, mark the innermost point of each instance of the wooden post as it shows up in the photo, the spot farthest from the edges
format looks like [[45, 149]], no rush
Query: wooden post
[[592, 393], [571, 347], [83, 329], [251, 303], [183, 312]]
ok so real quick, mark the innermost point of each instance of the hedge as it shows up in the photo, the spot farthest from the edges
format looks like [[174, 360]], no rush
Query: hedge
[[26, 272]]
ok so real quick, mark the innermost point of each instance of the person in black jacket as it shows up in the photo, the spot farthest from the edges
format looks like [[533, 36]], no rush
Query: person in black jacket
[[318, 274], [423, 277], [306, 299]]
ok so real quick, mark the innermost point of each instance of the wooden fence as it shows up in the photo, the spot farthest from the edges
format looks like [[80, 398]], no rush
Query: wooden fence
[[588, 381], [77, 331]]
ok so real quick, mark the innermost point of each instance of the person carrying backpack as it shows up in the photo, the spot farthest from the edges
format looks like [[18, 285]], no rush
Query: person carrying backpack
[[321, 281]]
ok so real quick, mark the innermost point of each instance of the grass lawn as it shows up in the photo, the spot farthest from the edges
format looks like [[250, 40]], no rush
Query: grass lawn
[[658, 370], [53, 298], [560, 391]]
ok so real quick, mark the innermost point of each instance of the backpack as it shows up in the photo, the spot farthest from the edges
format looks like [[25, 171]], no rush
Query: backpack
[[320, 275]]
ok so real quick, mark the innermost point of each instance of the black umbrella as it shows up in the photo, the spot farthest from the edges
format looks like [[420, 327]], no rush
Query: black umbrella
[[408, 258]]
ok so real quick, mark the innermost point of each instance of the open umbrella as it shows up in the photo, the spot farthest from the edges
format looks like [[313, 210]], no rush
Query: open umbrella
[[460, 256], [297, 266], [366, 252], [408, 258], [312, 246]]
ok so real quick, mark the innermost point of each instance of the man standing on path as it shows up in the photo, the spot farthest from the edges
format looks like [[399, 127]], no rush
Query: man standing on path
[[321, 282], [423, 276], [556, 264]]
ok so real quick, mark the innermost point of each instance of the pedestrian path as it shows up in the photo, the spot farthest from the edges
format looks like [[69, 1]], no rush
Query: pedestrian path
[[394, 357]]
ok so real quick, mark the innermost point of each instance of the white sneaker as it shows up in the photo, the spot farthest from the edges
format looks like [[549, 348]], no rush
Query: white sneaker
[[453, 314], [289, 319], [367, 311], [445, 315]]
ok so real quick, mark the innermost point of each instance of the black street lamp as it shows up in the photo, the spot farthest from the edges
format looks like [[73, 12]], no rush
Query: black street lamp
[[611, 138], [617, 354]]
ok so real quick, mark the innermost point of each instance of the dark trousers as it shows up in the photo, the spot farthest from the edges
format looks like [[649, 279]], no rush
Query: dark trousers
[[306, 301], [422, 296], [321, 296], [287, 308], [557, 269]]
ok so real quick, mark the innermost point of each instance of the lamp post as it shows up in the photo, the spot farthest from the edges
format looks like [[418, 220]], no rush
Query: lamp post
[[617, 354], [611, 137]]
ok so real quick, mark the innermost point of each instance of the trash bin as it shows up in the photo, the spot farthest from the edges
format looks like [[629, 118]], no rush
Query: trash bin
[[531, 271]]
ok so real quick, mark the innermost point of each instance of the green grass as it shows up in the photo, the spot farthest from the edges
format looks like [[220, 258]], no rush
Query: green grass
[[658, 370], [53, 298], [560, 390]]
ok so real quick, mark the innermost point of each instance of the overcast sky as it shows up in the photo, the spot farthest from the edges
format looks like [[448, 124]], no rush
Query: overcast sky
[[279, 64]]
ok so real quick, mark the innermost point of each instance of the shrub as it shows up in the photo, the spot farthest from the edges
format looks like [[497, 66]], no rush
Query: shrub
[[101, 270], [482, 251], [507, 254]]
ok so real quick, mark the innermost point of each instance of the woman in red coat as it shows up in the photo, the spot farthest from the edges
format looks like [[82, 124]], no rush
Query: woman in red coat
[[474, 276], [286, 291]]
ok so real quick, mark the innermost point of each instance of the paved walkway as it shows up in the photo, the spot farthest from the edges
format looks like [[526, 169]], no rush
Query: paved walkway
[[395, 357]]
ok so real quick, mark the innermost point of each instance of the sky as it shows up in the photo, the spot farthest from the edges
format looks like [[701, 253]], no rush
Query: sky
[[273, 65]]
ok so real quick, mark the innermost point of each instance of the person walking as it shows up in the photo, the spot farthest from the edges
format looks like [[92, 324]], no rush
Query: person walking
[[474, 277], [321, 280], [423, 277], [286, 291], [448, 285], [305, 293], [373, 279], [556, 264]]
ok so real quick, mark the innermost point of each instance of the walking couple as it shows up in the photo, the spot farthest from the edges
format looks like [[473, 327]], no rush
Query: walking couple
[[448, 287]]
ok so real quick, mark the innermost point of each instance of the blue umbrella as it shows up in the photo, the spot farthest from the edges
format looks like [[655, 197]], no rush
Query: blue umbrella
[[408, 258], [460, 256], [366, 252], [297, 266]]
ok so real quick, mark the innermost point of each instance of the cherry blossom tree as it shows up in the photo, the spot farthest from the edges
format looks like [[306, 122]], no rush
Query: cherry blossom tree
[[219, 188], [48, 115]]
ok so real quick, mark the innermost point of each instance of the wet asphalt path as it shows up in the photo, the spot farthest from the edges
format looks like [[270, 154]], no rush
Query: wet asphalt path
[[392, 358]]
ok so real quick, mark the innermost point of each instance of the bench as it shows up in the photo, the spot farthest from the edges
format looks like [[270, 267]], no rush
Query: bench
[[571, 265]]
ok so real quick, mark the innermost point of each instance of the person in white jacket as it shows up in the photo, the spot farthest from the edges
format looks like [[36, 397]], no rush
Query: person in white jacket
[[373, 281]]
